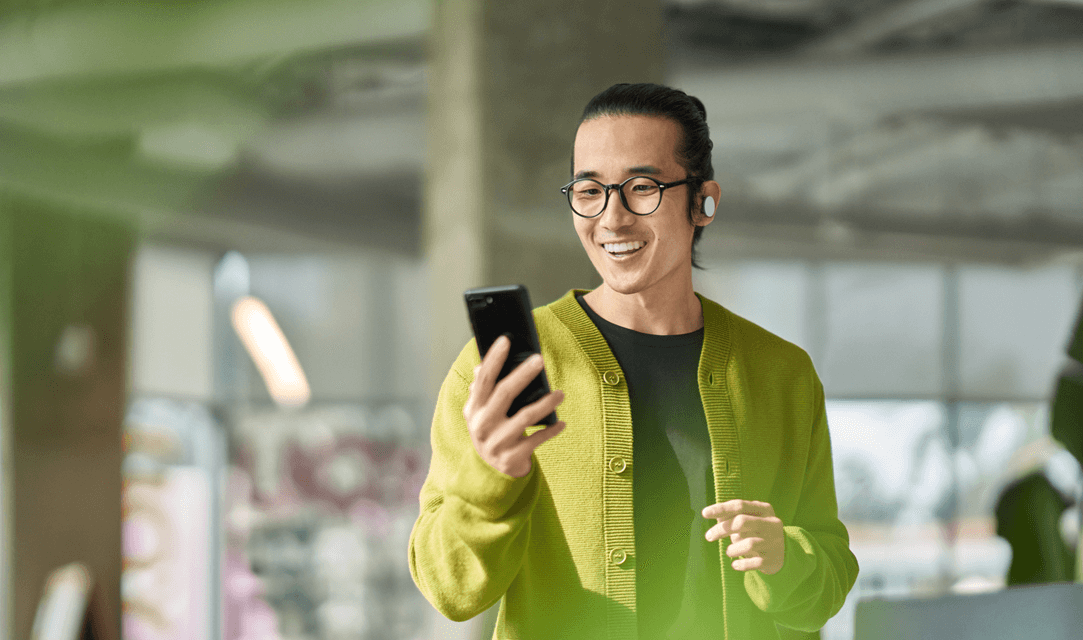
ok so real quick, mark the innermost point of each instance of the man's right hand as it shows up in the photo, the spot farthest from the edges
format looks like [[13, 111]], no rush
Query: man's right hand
[[498, 439]]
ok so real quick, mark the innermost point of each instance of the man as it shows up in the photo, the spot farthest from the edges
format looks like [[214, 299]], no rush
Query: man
[[687, 491]]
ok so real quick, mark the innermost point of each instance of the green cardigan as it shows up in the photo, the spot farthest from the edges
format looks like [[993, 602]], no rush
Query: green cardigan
[[558, 546]]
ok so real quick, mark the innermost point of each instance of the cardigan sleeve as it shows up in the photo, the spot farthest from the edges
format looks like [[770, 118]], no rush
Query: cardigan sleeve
[[471, 535], [819, 569]]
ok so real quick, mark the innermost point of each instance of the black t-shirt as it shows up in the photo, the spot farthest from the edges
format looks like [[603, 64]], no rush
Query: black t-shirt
[[678, 577]]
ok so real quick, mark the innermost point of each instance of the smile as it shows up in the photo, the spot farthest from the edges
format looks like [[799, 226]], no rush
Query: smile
[[622, 249]]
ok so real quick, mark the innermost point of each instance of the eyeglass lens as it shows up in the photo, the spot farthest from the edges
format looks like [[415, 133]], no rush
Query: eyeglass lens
[[587, 197]]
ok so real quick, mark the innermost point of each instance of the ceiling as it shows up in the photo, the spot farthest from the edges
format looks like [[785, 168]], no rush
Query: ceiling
[[938, 128]]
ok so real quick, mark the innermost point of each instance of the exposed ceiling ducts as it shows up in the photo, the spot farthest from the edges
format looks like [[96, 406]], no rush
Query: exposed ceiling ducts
[[942, 115]]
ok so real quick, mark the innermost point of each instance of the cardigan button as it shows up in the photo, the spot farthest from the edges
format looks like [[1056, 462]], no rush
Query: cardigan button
[[611, 377], [618, 556], [617, 464]]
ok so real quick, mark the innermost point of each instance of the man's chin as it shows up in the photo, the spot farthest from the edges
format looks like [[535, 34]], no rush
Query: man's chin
[[622, 286]]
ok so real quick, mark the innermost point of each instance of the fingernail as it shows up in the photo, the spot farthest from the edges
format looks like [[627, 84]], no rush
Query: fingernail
[[536, 358]]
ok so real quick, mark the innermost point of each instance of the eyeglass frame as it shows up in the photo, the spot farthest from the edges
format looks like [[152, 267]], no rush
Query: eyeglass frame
[[619, 187]]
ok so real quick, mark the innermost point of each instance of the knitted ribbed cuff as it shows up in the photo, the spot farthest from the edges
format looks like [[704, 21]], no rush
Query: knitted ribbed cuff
[[769, 592], [479, 484]]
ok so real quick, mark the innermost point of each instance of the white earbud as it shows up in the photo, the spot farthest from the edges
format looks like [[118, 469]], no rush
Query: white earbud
[[708, 207]]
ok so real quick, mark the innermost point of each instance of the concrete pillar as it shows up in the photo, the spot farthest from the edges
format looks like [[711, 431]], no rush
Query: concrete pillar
[[64, 338], [7, 555], [508, 83]]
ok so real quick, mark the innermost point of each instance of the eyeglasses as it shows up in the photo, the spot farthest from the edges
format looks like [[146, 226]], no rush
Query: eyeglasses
[[589, 198]]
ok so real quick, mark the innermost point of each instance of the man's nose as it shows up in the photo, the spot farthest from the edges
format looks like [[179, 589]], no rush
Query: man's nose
[[616, 215]]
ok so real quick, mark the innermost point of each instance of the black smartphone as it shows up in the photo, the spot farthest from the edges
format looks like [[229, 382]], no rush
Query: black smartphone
[[506, 311]]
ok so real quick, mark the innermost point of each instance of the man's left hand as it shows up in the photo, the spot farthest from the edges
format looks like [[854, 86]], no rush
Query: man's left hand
[[756, 536]]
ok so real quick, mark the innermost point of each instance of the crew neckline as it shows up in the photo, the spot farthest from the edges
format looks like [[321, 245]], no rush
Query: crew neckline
[[639, 337]]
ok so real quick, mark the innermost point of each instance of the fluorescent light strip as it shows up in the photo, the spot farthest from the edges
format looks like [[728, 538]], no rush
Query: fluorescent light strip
[[265, 342]]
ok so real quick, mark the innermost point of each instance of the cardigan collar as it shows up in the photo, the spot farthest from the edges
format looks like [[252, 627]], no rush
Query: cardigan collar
[[567, 309], [716, 339]]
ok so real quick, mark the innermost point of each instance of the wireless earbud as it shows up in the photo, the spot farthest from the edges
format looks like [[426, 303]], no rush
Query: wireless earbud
[[708, 207]]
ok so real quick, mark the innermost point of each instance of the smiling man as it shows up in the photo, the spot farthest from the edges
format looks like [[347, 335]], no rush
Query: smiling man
[[690, 491]]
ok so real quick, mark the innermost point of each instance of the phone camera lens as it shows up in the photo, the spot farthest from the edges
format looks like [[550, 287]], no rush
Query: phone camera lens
[[488, 300]]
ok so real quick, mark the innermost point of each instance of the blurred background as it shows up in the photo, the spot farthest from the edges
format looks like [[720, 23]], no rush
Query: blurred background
[[234, 236]]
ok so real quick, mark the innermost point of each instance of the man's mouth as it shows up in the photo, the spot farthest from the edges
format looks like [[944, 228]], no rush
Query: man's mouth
[[621, 249]]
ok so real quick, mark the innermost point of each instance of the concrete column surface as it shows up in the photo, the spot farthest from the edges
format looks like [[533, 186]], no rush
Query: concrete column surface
[[508, 84], [64, 313]]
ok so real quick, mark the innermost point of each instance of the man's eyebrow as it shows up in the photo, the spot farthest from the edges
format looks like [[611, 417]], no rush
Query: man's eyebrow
[[641, 170]]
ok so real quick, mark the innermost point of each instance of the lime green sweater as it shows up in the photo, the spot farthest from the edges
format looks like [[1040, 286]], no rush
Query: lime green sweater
[[558, 546]]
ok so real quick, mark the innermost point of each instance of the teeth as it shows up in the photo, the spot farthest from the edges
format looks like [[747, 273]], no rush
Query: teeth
[[621, 247]]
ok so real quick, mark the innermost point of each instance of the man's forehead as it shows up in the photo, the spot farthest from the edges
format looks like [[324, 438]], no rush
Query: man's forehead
[[644, 145]]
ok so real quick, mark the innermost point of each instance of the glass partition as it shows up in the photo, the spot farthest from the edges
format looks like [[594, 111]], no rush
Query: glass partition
[[938, 381]]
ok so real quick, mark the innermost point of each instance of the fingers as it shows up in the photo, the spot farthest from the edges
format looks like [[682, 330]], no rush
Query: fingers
[[744, 525], [738, 525], [498, 439], [757, 540], [534, 412], [515, 459], [732, 508], [485, 373], [511, 430], [748, 564], [756, 553], [514, 383], [746, 517], [535, 440], [744, 547]]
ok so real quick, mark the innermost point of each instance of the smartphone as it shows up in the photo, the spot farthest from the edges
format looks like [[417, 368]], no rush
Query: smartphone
[[506, 311]]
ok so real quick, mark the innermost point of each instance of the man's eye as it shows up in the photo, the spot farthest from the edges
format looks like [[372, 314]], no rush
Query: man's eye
[[589, 192], [641, 186]]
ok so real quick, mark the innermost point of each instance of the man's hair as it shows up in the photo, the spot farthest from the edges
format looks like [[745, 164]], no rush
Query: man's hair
[[694, 148]]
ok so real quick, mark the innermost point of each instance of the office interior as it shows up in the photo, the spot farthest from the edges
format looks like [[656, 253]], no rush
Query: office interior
[[234, 236]]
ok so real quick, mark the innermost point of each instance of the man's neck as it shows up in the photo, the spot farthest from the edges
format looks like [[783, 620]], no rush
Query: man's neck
[[672, 311]]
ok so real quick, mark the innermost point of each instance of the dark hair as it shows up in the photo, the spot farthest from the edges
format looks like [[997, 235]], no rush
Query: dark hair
[[694, 149]]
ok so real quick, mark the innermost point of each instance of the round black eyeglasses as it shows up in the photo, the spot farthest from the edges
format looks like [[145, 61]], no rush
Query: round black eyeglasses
[[640, 194]]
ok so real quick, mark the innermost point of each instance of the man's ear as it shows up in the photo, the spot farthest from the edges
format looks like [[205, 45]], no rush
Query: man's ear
[[710, 193]]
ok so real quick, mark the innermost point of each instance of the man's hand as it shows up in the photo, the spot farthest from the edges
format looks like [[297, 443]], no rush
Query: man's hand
[[756, 536], [498, 439]]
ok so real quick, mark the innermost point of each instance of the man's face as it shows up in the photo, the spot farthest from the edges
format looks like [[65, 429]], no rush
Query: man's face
[[610, 149]]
